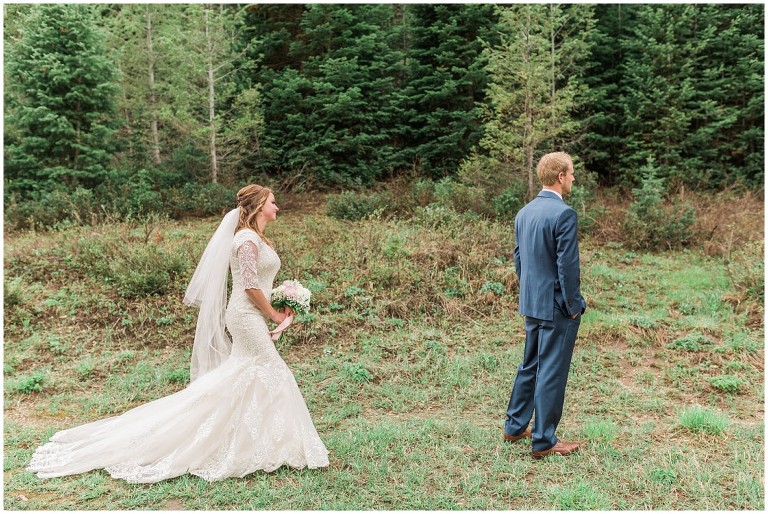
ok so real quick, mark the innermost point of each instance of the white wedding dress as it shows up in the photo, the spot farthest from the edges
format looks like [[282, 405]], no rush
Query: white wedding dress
[[243, 416]]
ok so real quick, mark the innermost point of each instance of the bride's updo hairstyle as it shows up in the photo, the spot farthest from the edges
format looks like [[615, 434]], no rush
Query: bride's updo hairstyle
[[251, 200]]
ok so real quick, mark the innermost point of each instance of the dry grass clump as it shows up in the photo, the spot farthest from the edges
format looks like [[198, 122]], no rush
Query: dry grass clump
[[728, 221]]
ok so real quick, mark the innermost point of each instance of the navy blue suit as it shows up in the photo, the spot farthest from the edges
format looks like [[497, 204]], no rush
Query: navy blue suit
[[547, 265]]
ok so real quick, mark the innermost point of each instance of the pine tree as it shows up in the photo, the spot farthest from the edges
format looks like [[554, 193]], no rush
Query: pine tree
[[447, 83], [137, 44], [725, 140], [268, 39], [330, 114], [604, 142], [15, 18], [692, 94], [535, 84], [65, 92], [659, 87]]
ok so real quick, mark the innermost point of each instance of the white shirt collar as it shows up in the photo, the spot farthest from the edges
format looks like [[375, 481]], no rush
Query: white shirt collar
[[552, 191]]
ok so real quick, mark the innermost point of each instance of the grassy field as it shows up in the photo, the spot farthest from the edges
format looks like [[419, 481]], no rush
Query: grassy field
[[406, 364]]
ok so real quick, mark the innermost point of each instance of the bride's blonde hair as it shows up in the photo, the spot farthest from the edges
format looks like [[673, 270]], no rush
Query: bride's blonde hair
[[251, 200]]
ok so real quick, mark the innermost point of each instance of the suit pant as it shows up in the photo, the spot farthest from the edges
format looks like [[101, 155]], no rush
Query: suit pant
[[541, 378]]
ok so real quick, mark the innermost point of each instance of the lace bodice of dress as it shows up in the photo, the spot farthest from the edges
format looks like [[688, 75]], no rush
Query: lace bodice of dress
[[254, 265]]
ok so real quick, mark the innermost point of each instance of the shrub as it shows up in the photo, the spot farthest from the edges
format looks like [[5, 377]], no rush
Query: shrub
[[123, 196], [455, 285], [651, 223], [644, 322], [423, 192], [136, 270], [130, 194], [690, 343], [462, 198], [179, 376], [742, 341], [511, 200], [92, 256], [727, 383], [85, 368], [664, 476], [199, 200], [48, 209], [57, 346], [436, 216], [582, 200], [353, 291], [146, 271], [493, 287], [13, 292], [29, 384], [485, 172], [353, 206]]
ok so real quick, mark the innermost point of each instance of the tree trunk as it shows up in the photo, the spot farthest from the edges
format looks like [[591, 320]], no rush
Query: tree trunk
[[552, 68], [529, 135], [531, 174], [211, 107], [152, 95]]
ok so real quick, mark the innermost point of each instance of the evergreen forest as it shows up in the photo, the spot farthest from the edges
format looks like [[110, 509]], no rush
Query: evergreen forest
[[125, 109]]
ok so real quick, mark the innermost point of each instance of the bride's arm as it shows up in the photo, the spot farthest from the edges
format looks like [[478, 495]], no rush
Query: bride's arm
[[248, 256], [260, 301]]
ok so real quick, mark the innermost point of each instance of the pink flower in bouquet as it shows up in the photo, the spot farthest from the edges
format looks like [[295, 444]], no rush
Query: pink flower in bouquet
[[294, 295]]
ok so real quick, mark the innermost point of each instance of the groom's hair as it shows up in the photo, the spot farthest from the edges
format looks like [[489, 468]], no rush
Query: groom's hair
[[551, 166]]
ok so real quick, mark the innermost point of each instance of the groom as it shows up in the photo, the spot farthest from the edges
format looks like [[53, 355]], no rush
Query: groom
[[547, 264]]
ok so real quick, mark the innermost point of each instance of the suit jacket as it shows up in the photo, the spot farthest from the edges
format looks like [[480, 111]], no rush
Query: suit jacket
[[547, 258]]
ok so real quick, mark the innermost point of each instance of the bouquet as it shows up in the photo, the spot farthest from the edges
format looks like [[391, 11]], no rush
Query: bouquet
[[290, 294]]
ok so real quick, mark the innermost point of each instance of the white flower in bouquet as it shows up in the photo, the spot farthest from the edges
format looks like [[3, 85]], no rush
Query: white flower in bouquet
[[292, 294]]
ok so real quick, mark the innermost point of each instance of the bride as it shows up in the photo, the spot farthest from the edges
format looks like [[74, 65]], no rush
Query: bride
[[243, 410]]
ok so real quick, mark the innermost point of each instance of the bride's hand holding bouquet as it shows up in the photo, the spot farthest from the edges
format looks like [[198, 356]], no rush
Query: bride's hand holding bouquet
[[291, 297]]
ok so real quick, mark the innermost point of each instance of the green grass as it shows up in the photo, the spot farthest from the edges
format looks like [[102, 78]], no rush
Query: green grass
[[697, 419], [406, 363]]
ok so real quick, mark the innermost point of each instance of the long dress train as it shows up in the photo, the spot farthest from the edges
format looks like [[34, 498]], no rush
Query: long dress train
[[243, 416]]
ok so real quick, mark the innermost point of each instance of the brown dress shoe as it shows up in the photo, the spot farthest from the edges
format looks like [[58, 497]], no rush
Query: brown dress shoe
[[560, 448], [512, 438]]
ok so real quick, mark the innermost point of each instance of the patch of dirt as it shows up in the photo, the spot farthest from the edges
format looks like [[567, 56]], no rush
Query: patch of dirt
[[630, 369], [173, 505]]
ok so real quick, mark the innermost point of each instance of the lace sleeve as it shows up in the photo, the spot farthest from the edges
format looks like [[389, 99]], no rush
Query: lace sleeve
[[248, 257]]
